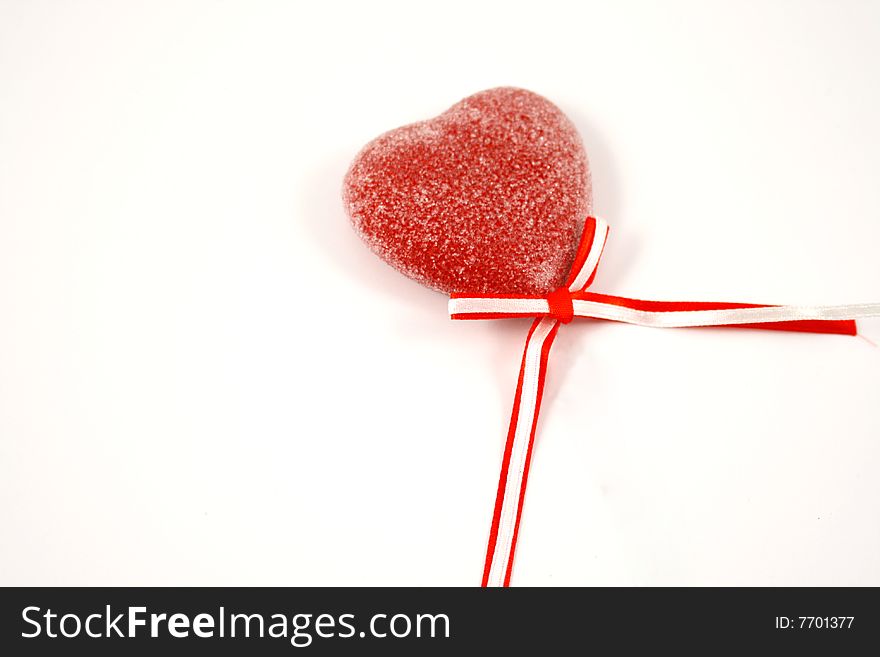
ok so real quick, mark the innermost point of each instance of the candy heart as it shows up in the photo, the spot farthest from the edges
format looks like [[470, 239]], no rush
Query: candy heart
[[488, 197]]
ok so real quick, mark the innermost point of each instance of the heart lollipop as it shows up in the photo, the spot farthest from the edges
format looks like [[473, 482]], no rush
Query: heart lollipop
[[489, 202], [488, 197]]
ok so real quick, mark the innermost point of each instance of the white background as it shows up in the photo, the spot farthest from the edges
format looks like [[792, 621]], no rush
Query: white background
[[205, 378]]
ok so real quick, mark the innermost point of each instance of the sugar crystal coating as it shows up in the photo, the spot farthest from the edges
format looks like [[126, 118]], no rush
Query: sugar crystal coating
[[488, 197]]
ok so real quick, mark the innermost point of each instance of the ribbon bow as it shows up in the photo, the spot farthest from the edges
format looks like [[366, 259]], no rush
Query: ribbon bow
[[573, 300]]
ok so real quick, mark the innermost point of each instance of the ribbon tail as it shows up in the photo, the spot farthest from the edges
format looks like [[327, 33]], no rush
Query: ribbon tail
[[518, 453], [826, 326], [680, 314]]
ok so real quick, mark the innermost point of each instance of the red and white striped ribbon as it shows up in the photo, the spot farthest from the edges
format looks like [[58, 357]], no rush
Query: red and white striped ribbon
[[573, 300]]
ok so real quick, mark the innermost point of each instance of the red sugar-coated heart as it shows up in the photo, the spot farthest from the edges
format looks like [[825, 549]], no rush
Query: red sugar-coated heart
[[488, 197]]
